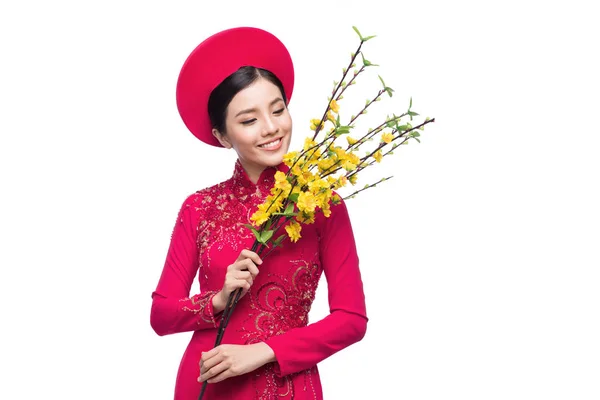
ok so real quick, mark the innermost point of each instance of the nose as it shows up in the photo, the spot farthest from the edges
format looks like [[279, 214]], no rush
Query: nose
[[270, 127]]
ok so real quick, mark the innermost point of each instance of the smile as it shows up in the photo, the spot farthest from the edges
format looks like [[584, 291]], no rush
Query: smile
[[271, 145]]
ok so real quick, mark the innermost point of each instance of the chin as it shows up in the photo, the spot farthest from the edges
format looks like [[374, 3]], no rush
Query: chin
[[275, 158]]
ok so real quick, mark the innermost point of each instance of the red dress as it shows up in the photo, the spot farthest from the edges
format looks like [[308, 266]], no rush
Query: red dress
[[208, 236]]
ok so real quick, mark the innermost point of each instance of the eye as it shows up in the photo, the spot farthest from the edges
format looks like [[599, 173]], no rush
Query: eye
[[248, 121], [279, 111]]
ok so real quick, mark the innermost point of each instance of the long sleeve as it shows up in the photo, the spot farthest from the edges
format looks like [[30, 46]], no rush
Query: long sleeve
[[302, 348], [173, 310]]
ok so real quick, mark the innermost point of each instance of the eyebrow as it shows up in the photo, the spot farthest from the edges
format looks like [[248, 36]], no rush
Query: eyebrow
[[249, 110]]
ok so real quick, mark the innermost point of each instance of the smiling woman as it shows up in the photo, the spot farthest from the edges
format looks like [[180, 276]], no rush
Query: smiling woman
[[237, 99], [256, 122]]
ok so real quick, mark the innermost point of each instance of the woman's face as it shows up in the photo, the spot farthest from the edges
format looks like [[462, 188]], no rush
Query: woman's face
[[258, 127]]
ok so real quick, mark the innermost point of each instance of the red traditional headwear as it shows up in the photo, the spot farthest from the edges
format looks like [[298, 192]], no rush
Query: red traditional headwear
[[215, 59]]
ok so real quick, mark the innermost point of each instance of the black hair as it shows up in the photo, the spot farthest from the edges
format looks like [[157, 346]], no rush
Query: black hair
[[222, 95]]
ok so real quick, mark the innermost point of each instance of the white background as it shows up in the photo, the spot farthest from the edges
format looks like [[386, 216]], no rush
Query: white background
[[480, 258]]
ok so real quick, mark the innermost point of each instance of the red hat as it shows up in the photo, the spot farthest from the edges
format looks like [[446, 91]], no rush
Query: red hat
[[215, 59]]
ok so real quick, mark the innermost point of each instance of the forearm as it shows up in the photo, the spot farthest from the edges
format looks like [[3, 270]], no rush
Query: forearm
[[302, 348], [173, 315]]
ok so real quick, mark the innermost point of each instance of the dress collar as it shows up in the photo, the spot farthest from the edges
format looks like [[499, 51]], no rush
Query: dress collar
[[265, 181]]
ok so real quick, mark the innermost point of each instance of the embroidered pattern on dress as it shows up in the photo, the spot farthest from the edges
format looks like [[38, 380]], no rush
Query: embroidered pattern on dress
[[199, 303], [226, 208], [279, 305]]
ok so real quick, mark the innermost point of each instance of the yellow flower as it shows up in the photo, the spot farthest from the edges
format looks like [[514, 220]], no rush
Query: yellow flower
[[296, 170], [309, 143], [306, 202], [340, 153], [331, 117], [259, 217], [326, 209], [387, 137], [313, 156], [293, 230], [290, 158], [324, 164], [353, 158], [317, 184], [305, 177], [314, 123], [274, 202], [334, 106], [353, 179], [351, 140], [281, 181], [378, 156], [348, 165], [305, 218]]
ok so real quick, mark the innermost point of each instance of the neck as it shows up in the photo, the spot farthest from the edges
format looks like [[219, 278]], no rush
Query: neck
[[253, 171]]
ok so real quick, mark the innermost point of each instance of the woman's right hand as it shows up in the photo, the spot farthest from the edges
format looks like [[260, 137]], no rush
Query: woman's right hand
[[240, 274]]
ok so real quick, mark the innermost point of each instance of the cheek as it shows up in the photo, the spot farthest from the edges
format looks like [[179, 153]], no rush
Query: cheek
[[287, 123], [243, 137]]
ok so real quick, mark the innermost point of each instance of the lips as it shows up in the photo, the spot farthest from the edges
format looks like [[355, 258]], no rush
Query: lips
[[272, 145]]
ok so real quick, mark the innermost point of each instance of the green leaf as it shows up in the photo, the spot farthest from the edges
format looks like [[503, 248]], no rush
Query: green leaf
[[381, 79], [294, 197], [254, 231], [357, 32], [265, 236], [369, 37], [412, 113], [277, 242], [366, 62], [268, 224], [289, 209], [417, 139], [410, 104], [342, 130]]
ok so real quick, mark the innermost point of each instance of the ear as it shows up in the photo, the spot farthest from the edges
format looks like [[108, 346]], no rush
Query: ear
[[221, 138]]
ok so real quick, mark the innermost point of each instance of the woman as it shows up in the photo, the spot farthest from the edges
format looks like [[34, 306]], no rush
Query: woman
[[233, 92]]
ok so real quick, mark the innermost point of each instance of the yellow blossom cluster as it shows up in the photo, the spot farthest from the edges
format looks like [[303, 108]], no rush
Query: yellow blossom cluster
[[323, 166]]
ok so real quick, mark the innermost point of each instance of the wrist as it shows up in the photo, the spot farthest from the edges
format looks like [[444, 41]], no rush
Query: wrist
[[267, 353], [218, 303]]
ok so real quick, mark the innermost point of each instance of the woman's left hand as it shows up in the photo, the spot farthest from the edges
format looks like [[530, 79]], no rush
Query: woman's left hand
[[229, 360]]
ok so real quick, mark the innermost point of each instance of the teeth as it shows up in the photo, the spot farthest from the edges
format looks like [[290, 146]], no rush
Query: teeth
[[271, 144]]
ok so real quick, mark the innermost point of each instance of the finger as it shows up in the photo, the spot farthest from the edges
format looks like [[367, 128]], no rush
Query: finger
[[249, 266], [214, 371], [252, 268], [210, 363], [207, 355], [221, 377], [242, 275], [251, 255]]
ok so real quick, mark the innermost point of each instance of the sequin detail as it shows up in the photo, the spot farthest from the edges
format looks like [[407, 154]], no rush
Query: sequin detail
[[225, 208], [200, 306], [282, 303]]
